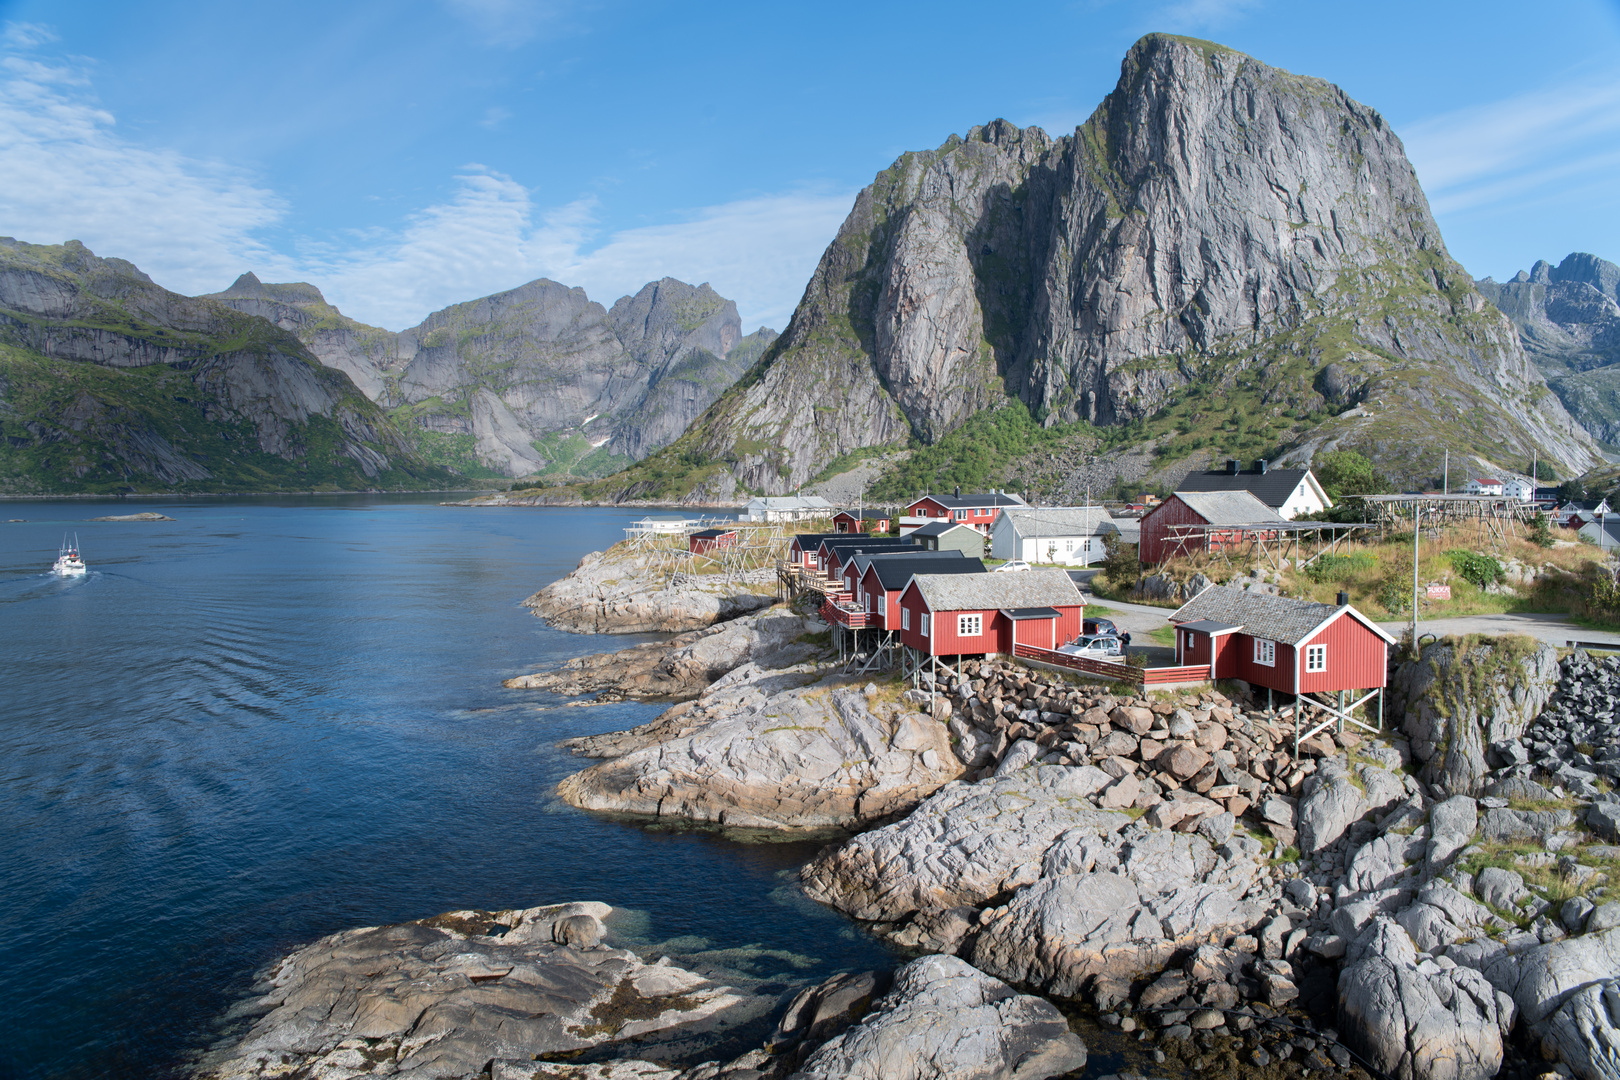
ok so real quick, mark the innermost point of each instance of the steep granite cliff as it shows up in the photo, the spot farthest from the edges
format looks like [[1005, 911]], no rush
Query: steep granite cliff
[[110, 383], [1569, 320], [539, 379], [1216, 226]]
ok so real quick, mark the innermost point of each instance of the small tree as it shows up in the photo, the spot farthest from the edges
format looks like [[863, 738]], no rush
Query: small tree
[[1345, 473], [1120, 564], [1541, 530]]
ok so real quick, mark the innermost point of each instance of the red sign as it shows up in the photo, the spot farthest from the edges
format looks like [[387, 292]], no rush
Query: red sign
[[1439, 592]]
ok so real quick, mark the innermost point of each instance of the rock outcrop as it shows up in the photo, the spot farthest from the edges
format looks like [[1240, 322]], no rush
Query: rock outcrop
[[1460, 698], [596, 388], [684, 666], [944, 1020], [447, 996], [223, 401], [761, 750], [1214, 216], [614, 592], [1569, 320]]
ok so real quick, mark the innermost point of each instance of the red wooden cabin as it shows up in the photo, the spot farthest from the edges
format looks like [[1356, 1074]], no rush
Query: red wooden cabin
[[710, 540], [979, 614], [836, 550], [1199, 508], [861, 521], [1292, 646], [802, 549], [876, 581]]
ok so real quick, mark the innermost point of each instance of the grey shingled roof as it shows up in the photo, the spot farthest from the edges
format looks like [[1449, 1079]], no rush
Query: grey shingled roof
[[935, 528], [1228, 507], [1272, 487], [1279, 618], [1022, 589], [1061, 521]]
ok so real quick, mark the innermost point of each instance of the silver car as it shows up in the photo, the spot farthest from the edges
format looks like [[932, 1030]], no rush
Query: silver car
[[1095, 647]]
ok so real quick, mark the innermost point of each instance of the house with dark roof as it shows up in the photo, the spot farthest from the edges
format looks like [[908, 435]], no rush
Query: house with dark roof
[[705, 541], [802, 548], [947, 535], [838, 549], [978, 510], [1288, 645], [1291, 493], [875, 582], [986, 614], [861, 521], [1161, 537]]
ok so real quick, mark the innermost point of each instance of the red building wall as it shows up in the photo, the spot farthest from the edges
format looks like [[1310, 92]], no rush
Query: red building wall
[[1155, 547], [1279, 678], [1357, 658], [1042, 633], [998, 629]]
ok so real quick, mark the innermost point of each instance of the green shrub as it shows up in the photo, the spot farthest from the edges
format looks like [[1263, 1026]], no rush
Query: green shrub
[[1471, 566], [1339, 567], [1395, 595]]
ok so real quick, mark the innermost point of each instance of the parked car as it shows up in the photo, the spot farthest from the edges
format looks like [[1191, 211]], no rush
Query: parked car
[[1011, 566], [1098, 626], [1095, 647]]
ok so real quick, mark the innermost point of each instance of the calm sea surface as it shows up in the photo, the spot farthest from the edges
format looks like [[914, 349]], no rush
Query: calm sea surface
[[275, 718]]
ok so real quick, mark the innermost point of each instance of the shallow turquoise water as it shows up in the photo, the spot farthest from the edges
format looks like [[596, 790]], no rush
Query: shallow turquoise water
[[275, 718]]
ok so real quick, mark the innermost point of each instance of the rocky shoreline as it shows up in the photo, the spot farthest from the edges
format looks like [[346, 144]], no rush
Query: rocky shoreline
[[614, 592]]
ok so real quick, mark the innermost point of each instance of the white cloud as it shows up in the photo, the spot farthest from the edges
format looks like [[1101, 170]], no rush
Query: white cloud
[[25, 35], [1489, 155], [490, 236], [66, 174], [1205, 14], [193, 225]]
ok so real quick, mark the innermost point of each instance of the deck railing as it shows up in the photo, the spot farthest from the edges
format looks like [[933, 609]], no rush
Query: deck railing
[[844, 614], [1119, 672]]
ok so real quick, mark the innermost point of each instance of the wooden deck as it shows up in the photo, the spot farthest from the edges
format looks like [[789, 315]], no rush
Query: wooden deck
[[1160, 676]]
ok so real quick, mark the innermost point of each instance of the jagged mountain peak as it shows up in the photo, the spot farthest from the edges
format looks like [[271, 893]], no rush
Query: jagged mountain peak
[[1216, 222]]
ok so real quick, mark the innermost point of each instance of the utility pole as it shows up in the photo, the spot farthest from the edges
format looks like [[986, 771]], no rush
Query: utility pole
[[1446, 482], [1417, 530]]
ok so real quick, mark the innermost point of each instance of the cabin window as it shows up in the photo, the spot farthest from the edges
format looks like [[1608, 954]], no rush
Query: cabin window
[[1265, 652], [961, 515], [969, 625], [1068, 545], [905, 618], [926, 619], [1316, 658], [1188, 635], [869, 606]]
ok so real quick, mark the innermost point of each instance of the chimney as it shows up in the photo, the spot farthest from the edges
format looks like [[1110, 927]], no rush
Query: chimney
[[1344, 598], [1261, 465], [958, 491], [1233, 465]]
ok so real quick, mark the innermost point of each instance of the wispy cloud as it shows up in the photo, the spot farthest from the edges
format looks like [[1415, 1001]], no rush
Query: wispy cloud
[[492, 236], [1206, 14], [26, 35], [1508, 151], [66, 173]]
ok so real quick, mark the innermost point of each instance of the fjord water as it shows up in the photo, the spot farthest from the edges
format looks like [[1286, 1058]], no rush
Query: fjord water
[[275, 718]]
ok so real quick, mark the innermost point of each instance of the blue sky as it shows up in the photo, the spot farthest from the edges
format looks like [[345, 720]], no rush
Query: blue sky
[[407, 155]]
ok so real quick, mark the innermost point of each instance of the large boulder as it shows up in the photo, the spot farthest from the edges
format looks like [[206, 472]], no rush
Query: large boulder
[[1462, 695], [1567, 991], [758, 751], [445, 996], [944, 1020], [1585, 1031], [1413, 1021]]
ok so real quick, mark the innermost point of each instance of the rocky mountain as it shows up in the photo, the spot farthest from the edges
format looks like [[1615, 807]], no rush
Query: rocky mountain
[[1569, 321], [1217, 227], [539, 379], [111, 384]]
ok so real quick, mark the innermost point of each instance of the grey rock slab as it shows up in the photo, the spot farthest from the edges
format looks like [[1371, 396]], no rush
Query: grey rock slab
[[944, 1020], [1540, 979], [963, 845], [754, 756], [443, 996], [1585, 1031], [1412, 1025], [1327, 812]]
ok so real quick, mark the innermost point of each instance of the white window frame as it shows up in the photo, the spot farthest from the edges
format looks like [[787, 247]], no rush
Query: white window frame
[[1187, 639], [1316, 659], [1265, 652], [905, 617], [926, 620], [965, 621], [960, 515]]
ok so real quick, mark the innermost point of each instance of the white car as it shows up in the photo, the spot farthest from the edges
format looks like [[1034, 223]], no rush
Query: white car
[[1095, 647], [1011, 566]]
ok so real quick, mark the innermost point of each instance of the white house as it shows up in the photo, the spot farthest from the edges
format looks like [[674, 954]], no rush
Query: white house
[[1070, 535], [786, 508], [1291, 492], [1517, 487], [1485, 486]]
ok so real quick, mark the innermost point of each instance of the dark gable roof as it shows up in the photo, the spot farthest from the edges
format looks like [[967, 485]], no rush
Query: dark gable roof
[[937, 528], [1272, 487], [811, 541], [867, 558], [1279, 618], [713, 534], [863, 515], [863, 542], [894, 573], [966, 502]]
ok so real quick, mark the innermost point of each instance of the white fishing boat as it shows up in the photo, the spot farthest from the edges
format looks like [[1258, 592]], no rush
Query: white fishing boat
[[68, 562]]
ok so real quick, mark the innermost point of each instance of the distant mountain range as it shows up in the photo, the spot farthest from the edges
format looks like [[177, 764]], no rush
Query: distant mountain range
[[1223, 253], [112, 384], [536, 380], [1569, 320]]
